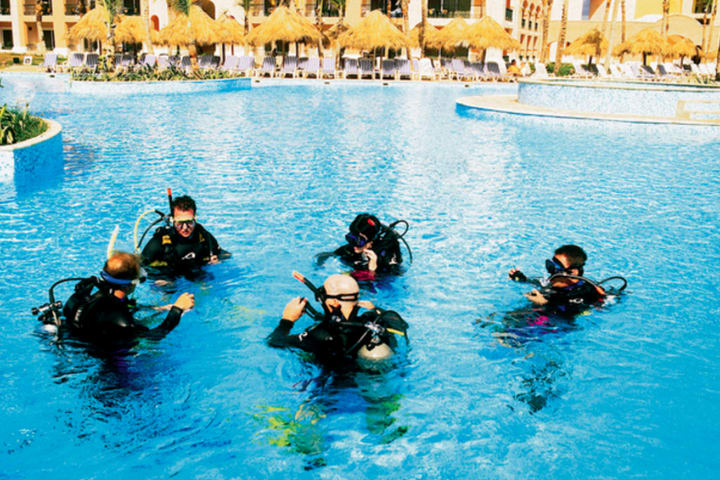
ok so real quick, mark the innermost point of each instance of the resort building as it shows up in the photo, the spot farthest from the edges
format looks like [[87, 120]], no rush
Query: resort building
[[29, 26]]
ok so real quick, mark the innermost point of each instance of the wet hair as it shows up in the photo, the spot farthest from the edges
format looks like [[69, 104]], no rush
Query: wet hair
[[123, 265], [184, 203], [367, 225], [576, 256]]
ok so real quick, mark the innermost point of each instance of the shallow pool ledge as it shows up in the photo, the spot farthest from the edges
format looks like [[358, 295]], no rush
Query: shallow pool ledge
[[158, 87], [32, 157]]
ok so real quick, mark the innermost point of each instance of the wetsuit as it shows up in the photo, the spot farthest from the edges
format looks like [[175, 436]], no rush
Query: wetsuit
[[106, 319], [330, 342], [174, 253], [387, 249], [571, 300]]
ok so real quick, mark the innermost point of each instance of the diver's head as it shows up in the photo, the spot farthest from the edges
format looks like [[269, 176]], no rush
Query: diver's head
[[363, 231], [341, 295], [122, 272], [183, 214], [569, 259]]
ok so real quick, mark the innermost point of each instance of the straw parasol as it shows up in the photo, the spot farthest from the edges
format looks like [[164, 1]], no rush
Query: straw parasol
[[646, 42], [592, 43], [487, 33], [284, 25], [452, 34], [232, 32], [374, 31], [331, 35], [679, 46], [91, 26], [197, 28], [131, 29], [431, 36]]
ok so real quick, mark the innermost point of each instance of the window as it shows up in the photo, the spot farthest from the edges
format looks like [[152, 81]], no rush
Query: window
[[49, 38], [382, 5], [5, 7], [7, 40], [449, 8], [131, 7], [700, 6], [330, 9], [509, 14]]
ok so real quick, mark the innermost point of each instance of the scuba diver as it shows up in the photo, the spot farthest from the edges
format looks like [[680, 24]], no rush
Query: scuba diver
[[566, 292], [341, 333], [99, 310], [372, 248], [181, 246]]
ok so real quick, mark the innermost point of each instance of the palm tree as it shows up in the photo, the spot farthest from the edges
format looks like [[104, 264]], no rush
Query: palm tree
[[609, 37], [547, 6], [603, 29], [712, 24], [113, 7], [406, 22], [703, 45], [561, 38], [318, 21], [423, 23], [623, 30], [145, 9], [246, 7]]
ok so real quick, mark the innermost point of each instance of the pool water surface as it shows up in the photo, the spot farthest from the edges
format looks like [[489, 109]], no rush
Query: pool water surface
[[630, 389]]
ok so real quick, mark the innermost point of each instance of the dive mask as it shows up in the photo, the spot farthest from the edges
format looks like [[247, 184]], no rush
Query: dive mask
[[553, 266], [122, 281], [358, 240]]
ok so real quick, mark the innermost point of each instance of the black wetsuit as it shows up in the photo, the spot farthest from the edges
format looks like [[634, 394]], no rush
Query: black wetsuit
[[389, 256], [175, 254], [108, 320], [329, 342], [571, 300]]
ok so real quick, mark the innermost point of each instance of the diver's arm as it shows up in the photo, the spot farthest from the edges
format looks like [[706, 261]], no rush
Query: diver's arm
[[185, 302], [281, 337]]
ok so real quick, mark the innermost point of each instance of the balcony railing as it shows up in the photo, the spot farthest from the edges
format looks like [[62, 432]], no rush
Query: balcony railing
[[30, 9], [509, 14], [444, 13]]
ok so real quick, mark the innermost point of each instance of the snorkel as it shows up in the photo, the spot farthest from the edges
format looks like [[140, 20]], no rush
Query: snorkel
[[162, 217]]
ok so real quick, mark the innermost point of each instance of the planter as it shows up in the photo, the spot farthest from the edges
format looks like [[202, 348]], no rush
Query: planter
[[32, 157]]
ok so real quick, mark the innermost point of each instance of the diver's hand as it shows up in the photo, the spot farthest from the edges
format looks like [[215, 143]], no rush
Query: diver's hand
[[536, 297], [516, 275], [294, 309], [366, 304], [162, 283], [213, 260], [185, 302], [372, 259]]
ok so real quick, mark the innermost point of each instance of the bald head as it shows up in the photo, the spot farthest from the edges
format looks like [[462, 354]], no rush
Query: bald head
[[340, 284], [123, 265]]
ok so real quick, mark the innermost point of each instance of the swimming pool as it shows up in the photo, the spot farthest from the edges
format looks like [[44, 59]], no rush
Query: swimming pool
[[278, 173]]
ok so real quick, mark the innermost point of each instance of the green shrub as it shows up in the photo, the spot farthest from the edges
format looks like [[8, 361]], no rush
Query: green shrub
[[565, 69], [18, 126]]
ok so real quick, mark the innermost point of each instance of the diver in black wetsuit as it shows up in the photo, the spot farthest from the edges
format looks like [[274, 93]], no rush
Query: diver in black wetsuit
[[105, 316], [183, 247], [372, 248], [567, 293], [341, 334]]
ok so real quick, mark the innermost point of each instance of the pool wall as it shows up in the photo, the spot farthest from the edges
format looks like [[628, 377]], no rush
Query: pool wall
[[149, 88], [656, 100], [32, 157]]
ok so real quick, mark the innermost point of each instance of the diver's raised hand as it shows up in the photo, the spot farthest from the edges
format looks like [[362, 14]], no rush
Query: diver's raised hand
[[372, 259], [294, 309], [516, 275], [366, 304], [185, 302]]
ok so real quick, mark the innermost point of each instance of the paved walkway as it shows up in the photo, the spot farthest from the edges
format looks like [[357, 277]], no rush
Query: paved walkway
[[510, 105]]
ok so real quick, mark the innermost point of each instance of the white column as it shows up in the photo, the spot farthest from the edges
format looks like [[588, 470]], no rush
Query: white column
[[18, 27]]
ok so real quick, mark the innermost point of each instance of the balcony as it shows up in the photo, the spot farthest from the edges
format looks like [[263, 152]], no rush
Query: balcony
[[445, 13], [29, 8]]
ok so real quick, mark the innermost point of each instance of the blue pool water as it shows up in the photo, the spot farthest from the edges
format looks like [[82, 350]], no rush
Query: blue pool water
[[629, 390]]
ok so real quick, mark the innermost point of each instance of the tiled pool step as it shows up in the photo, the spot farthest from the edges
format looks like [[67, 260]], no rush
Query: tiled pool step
[[698, 110]]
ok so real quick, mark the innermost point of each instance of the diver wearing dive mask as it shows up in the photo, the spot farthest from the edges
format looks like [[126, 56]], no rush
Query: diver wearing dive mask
[[341, 331], [566, 290]]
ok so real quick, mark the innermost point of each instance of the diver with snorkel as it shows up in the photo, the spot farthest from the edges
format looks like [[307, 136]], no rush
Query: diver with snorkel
[[341, 333], [182, 245]]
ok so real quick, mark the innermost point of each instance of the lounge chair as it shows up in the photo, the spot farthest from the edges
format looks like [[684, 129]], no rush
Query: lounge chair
[[205, 62], [479, 69], [50, 62], [117, 60], [328, 68], [459, 69], [267, 68], [91, 61], [185, 63], [148, 61], [366, 68], [540, 71], [581, 71], [426, 69], [493, 71], [351, 68], [230, 63], [289, 67], [76, 60], [312, 67], [245, 65], [301, 66], [403, 69], [127, 61], [648, 71], [388, 70]]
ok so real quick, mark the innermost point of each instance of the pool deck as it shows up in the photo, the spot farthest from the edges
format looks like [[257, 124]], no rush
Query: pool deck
[[509, 104]]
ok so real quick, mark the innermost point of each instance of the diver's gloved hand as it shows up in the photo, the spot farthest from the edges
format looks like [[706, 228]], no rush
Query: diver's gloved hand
[[294, 309], [536, 297], [516, 275], [372, 259]]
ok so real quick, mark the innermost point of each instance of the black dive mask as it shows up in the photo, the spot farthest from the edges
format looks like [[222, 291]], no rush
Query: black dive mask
[[554, 266]]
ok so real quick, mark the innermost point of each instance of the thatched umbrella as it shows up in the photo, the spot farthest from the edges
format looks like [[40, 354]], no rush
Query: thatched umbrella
[[453, 34], [592, 43], [131, 29], [331, 35], [646, 42], [285, 25], [197, 28], [372, 32], [679, 46], [91, 26], [431, 36], [232, 33], [487, 33]]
